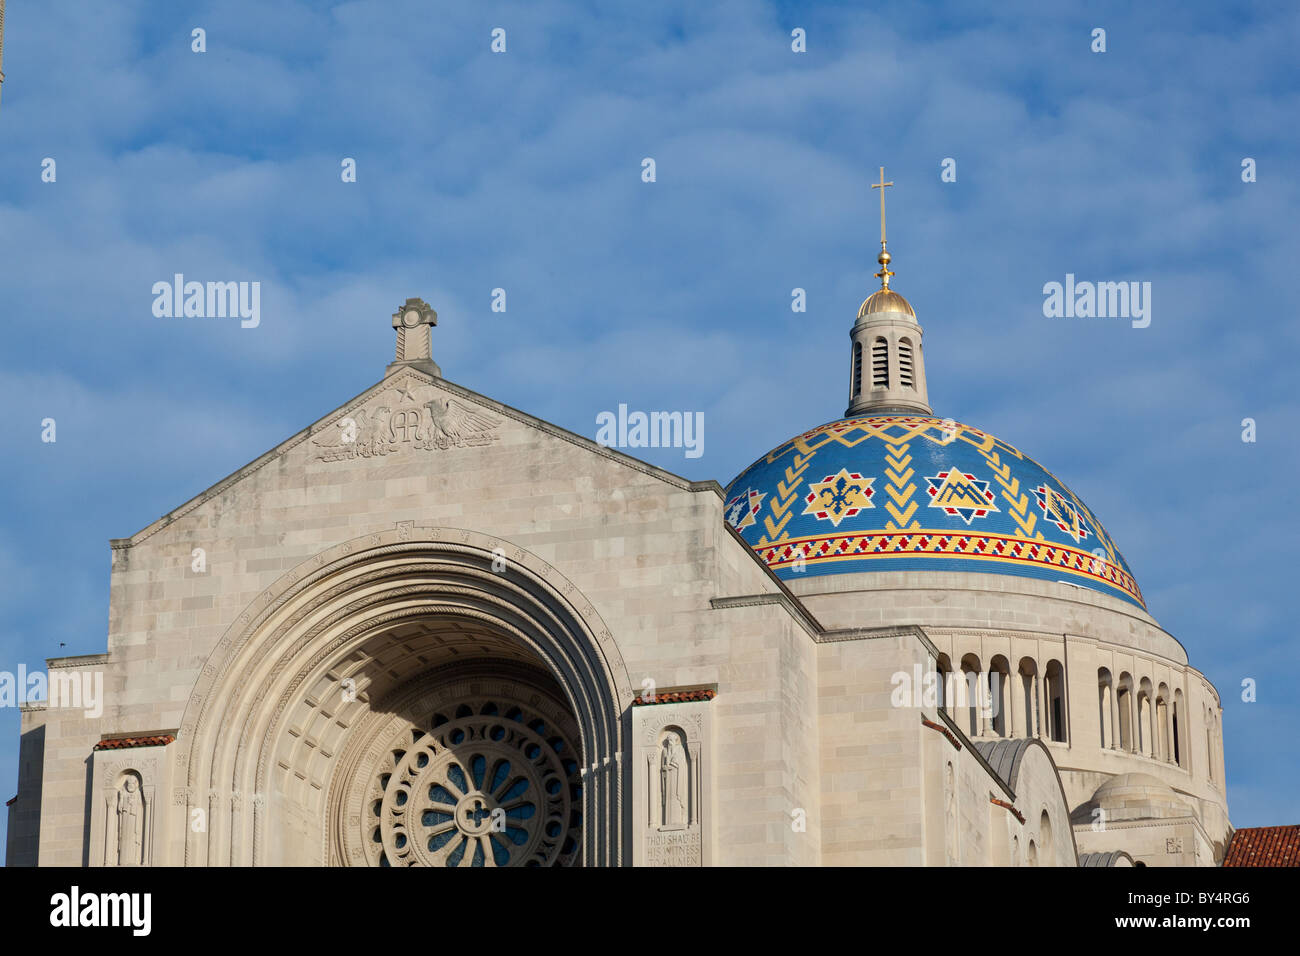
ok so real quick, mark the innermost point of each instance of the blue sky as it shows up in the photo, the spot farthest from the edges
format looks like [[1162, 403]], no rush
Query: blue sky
[[522, 171]]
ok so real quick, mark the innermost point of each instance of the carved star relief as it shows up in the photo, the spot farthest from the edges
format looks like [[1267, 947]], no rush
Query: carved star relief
[[405, 393]]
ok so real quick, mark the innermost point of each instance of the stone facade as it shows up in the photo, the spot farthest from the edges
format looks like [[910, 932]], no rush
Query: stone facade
[[993, 628], [417, 632]]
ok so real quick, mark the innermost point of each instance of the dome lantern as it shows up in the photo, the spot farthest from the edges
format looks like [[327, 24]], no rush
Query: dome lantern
[[887, 370]]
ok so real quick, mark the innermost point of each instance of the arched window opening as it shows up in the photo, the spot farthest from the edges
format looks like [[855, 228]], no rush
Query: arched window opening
[[1055, 701], [1218, 744], [1209, 746], [970, 668], [999, 695], [1124, 697], [1105, 706], [857, 368], [1146, 719], [1178, 741], [1164, 750], [943, 666], [1028, 722]]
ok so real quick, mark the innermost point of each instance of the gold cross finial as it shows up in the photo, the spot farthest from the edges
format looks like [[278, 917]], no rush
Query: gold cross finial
[[881, 186], [884, 257]]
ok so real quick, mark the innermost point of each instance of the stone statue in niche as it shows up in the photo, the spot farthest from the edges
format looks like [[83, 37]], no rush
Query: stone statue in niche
[[130, 822], [674, 784], [671, 799]]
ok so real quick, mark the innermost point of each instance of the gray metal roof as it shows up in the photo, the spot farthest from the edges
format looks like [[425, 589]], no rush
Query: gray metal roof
[[1005, 756], [1104, 859]]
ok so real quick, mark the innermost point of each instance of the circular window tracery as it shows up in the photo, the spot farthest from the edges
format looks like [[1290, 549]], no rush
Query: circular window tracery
[[489, 781]]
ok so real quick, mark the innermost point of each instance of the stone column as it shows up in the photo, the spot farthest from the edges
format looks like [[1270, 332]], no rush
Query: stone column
[[1113, 707]]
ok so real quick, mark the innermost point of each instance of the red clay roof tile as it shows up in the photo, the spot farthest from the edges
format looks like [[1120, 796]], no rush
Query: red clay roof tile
[[1264, 846], [122, 743], [675, 697]]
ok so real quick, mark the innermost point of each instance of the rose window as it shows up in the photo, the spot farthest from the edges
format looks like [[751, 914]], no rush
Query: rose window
[[491, 784]]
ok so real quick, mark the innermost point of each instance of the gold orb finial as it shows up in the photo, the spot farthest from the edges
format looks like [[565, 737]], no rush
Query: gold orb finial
[[883, 275]]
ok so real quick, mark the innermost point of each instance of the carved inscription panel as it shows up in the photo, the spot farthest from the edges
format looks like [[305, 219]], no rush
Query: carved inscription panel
[[672, 789]]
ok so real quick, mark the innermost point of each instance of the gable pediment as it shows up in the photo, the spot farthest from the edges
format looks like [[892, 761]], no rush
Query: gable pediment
[[404, 415], [408, 413]]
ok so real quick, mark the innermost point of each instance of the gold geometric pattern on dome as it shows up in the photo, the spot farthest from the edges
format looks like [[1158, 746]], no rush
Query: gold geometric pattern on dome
[[1088, 519], [894, 430], [839, 496], [787, 493], [742, 509], [1024, 517], [1062, 512], [960, 493], [900, 487], [1019, 503]]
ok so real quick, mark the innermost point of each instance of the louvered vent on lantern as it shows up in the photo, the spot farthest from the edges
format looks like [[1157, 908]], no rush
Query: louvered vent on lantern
[[857, 368], [905, 374], [880, 364]]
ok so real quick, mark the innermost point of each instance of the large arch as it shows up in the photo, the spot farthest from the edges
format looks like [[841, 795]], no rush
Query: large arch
[[271, 697]]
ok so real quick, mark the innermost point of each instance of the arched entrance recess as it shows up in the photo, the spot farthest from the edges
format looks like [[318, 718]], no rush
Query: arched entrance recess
[[303, 687]]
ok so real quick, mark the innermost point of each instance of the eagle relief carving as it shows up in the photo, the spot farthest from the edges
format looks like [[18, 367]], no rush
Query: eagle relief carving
[[422, 418]]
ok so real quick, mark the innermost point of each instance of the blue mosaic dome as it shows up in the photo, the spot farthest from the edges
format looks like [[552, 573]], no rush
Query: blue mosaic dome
[[911, 493]]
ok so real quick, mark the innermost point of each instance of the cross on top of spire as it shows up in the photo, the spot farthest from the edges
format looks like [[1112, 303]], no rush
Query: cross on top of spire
[[881, 186], [884, 257]]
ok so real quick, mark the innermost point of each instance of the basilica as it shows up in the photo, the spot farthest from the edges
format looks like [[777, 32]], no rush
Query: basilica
[[430, 629]]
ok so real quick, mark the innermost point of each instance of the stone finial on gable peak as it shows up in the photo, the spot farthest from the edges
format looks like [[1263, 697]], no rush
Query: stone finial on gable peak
[[413, 322]]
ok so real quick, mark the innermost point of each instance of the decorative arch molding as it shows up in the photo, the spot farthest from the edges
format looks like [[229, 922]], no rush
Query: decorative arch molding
[[319, 615]]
